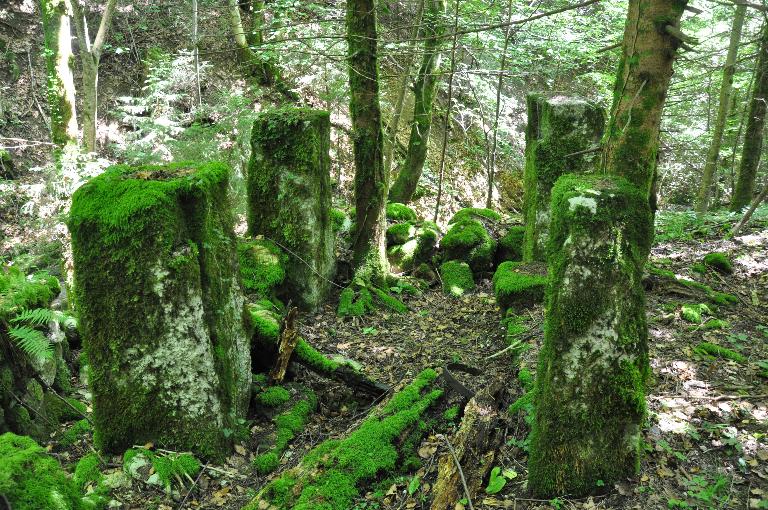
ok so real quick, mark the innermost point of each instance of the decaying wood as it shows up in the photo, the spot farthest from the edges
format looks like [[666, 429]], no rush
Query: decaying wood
[[289, 337], [474, 445]]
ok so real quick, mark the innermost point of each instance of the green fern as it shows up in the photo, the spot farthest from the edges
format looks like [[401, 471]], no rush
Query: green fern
[[36, 316], [31, 341]]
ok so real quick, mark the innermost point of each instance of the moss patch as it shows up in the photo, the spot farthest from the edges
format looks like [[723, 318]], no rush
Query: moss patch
[[518, 285], [274, 396], [457, 278], [511, 245], [400, 212], [474, 213], [719, 262], [708, 349], [469, 241], [262, 266]]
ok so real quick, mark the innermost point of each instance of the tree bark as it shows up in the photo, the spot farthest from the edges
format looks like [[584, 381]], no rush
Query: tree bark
[[90, 55], [263, 70], [371, 181], [747, 215], [753, 135], [424, 91], [641, 87], [393, 128], [713, 155], [60, 82]]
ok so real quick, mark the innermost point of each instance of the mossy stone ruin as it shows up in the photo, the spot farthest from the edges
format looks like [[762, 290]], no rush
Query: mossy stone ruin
[[592, 369], [289, 197], [161, 308], [561, 135]]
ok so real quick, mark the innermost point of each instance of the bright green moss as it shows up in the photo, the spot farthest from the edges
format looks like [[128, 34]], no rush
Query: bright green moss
[[526, 379], [21, 292], [693, 313], [309, 356], [87, 472], [390, 302], [166, 467], [353, 304], [473, 213], [719, 298], [75, 432], [468, 240], [511, 245], [400, 212], [719, 262], [451, 413], [274, 396], [336, 470], [698, 267], [158, 295], [32, 480], [400, 233], [339, 220], [716, 324], [515, 285], [709, 349], [288, 424], [265, 322], [456, 277], [262, 266]]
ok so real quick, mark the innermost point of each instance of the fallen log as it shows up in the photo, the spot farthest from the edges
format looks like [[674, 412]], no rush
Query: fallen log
[[334, 473]]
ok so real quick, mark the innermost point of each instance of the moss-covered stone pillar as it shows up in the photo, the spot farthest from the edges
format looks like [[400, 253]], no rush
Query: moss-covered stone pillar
[[289, 196], [562, 137], [160, 306], [589, 400]]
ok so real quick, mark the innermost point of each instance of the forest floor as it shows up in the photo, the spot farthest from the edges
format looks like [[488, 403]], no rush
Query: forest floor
[[706, 436]]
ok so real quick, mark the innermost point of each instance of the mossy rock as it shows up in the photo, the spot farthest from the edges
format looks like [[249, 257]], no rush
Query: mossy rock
[[412, 245], [358, 300], [400, 212], [340, 221], [262, 266], [474, 213], [469, 241], [456, 277], [510, 246], [518, 285], [559, 130], [289, 197], [161, 308], [593, 364], [400, 233], [720, 262], [32, 480]]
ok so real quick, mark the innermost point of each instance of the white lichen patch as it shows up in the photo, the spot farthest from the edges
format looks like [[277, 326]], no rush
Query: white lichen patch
[[582, 201]]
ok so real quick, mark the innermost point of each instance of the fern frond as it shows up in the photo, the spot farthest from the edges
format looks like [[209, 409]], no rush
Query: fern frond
[[37, 316], [32, 342]]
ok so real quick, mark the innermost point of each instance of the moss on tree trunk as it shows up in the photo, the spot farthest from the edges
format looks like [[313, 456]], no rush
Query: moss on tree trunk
[[424, 91], [371, 181], [289, 196], [160, 304], [593, 365], [753, 135], [559, 131]]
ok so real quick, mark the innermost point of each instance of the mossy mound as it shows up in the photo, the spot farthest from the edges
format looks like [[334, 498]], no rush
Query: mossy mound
[[518, 285], [469, 241], [340, 221], [720, 262], [708, 349], [262, 266], [411, 244], [719, 298], [32, 480], [161, 307], [157, 468], [474, 213], [289, 197], [331, 476], [593, 364], [400, 212], [358, 300], [456, 277], [510, 246], [694, 313]]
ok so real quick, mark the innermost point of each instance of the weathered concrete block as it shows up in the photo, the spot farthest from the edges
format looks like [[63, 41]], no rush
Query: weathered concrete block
[[560, 135], [161, 308], [593, 365], [289, 197]]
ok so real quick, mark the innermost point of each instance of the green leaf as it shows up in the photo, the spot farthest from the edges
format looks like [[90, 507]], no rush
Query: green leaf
[[496, 482], [413, 486], [31, 341]]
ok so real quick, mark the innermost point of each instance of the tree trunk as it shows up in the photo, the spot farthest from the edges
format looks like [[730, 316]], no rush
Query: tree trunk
[[371, 181], [61, 85], [393, 128], [713, 156], [641, 87], [747, 215], [255, 66], [753, 135], [425, 90]]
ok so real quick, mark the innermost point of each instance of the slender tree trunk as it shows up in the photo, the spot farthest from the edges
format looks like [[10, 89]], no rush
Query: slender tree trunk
[[499, 83], [371, 181], [447, 118], [641, 87], [753, 135], [393, 128], [724, 103], [60, 82], [196, 51], [747, 215], [425, 90], [90, 55], [263, 70]]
